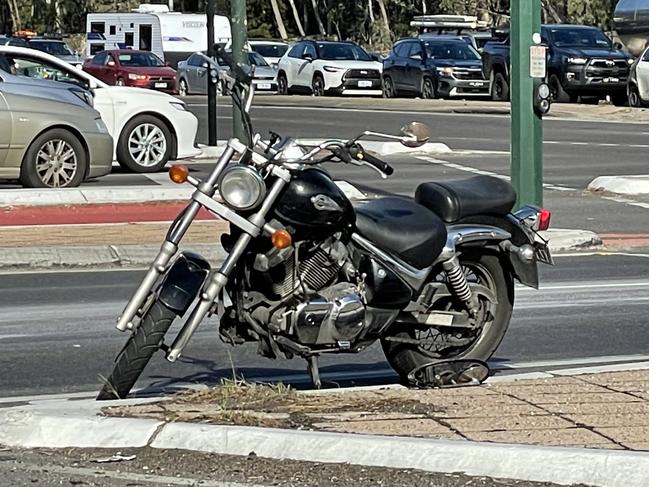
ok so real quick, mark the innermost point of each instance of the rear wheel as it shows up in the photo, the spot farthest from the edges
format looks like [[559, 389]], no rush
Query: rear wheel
[[438, 343], [139, 349]]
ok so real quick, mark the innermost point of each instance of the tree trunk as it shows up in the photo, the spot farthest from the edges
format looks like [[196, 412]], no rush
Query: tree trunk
[[15, 15], [386, 21], [317, 18], [547, 6], [423, 7], [296, 16], [278, 18], [370, 10]]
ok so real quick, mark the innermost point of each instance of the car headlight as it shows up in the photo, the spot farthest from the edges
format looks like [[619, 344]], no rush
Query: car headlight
[[241, 187], [137, 77], [101, 126], [577, 60], [178, 105], [333, 69], [630, 61], [445, 71]]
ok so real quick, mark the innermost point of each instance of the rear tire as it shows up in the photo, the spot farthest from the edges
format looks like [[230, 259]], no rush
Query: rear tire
[[404, 358], [139, 349]]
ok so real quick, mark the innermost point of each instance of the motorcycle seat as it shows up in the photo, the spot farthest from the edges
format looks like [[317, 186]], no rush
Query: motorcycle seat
[[480, 195], [404, 228]]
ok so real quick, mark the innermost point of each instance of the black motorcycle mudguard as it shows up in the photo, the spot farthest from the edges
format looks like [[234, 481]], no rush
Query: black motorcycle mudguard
[[526, 272], [183, 282]]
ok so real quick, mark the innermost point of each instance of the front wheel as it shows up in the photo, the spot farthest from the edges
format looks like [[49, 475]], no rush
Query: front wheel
[[139, 349], [434, 344], [428, 91], [318, 86], [145, 145]]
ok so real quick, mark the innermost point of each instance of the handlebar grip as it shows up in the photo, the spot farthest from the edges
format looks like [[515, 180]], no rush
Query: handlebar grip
[[239, 73], [360, 154]]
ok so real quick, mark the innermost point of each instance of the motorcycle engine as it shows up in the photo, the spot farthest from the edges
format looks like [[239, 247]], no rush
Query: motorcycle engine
[[315, 299]]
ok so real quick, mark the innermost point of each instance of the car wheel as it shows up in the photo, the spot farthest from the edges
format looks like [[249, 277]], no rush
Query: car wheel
[[120, 82], [557, 93], [499, 88], [282, 84], [55, 159], [428, 89], [145, 145], [183, 89], [634, 98], [388, 88], [318, 86]]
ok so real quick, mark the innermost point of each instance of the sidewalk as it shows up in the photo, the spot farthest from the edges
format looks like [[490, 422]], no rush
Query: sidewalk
[[569, 427]]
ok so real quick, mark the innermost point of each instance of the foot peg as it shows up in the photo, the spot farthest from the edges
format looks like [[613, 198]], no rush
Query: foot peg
[[449, 373], [314, 371]]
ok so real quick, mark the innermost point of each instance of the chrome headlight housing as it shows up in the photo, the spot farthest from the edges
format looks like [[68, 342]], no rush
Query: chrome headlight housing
[[241, 187]]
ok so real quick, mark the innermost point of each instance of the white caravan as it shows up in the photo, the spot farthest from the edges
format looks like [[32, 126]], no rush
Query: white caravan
[[173, 36]]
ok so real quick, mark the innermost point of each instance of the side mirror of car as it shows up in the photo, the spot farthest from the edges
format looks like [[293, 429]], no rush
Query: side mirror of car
[[307, 57], [416, 57], [618, 46], [111, 64]]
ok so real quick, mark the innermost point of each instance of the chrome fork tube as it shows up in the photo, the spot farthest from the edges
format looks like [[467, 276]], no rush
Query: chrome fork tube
[[217, 280], [169, 247]]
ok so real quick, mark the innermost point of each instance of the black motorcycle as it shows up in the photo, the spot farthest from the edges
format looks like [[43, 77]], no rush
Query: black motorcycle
[[309, 273]]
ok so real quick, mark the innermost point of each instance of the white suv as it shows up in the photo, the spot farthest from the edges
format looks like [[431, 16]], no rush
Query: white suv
[[325, 67]]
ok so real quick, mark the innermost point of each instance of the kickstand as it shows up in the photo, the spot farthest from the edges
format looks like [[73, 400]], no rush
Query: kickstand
[[314, 371]]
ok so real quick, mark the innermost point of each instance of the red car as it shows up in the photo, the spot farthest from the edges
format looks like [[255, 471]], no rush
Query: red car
[[127, 67]]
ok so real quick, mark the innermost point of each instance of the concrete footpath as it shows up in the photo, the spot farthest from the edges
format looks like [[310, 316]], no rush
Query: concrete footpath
[[586, 426]]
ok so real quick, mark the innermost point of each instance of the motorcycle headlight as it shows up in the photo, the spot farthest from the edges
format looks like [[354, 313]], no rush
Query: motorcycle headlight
[[241, 187]]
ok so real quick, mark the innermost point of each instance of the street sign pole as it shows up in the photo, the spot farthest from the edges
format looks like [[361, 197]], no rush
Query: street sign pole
[[239, 39], [211, 86], [526, 125]]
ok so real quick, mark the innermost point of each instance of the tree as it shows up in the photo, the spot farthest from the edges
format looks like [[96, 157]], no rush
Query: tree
[[279, 20]]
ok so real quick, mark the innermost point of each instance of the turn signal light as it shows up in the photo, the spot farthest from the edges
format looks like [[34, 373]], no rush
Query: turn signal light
[[179, 174], [281, 239], [544, 219]]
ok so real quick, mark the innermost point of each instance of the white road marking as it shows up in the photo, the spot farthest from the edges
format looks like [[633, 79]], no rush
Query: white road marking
[[573, 361], [608, 285], [461, 167], [626, 201]]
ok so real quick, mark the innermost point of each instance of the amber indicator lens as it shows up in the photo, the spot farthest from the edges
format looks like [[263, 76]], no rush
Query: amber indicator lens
[[179, 174], [281, 239]]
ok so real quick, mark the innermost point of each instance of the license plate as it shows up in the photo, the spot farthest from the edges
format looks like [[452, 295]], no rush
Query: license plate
[[611, 80], [477, 84], [543, 254], [264, 86], [160, 85], [364, 84]]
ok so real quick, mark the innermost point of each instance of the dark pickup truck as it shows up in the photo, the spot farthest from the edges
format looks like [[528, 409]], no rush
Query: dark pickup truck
[[582, 62]]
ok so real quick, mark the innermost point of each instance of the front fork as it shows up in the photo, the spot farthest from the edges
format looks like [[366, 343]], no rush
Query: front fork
[[215, 283]]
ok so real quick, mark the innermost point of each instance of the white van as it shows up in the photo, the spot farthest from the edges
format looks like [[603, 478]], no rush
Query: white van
[[173, 36]]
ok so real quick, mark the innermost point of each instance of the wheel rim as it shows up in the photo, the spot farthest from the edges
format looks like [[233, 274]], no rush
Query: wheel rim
[[387, 88], [120, 82], [147, 145], [56, 163], [183, 88], [435, 343], [498, 88], [428, 89], [634, 99], [282, 85], [318, 89]]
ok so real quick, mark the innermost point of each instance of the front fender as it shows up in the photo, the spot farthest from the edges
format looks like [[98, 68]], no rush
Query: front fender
[[183, 282]]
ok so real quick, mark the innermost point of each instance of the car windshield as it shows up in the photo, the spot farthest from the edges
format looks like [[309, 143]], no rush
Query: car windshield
[[451, 50], [270, 50], [54, 48], [256, 59], [578, 37], [342, 52], [140, 59]]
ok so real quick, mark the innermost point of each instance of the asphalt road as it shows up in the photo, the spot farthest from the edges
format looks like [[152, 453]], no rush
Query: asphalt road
[[57, 330]]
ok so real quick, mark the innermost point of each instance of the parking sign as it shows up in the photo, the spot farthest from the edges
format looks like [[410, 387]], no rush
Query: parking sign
[[537, 61]]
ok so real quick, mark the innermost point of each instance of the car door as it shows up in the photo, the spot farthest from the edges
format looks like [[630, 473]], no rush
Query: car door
[[412, 72], [201, 69], [5, 129], [642, 75], [304, 75], [112, 69], [399, 66], [96, 66]]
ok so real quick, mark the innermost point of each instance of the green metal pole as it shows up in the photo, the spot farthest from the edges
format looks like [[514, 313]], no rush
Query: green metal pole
[[239, 40], [526, 125]]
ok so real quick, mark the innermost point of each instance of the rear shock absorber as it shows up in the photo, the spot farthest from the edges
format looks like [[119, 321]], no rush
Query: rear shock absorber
[[460, 286]]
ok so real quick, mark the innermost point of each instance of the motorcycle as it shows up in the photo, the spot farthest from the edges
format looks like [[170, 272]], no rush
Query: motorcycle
[[309, 273]]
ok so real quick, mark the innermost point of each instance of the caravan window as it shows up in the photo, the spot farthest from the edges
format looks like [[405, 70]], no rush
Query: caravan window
[[98, 27], [113, 30], [128, 39]]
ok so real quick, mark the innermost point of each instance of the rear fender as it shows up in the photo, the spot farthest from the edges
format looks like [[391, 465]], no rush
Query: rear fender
[[183, 282]]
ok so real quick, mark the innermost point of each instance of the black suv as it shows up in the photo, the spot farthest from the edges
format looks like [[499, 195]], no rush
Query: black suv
[[433, 67], [582, 62]]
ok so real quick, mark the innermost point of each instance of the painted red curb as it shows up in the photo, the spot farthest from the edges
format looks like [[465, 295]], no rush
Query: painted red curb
[[94, 213]]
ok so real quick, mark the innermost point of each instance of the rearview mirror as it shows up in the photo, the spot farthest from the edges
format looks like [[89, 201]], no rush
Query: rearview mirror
[[415, 134]]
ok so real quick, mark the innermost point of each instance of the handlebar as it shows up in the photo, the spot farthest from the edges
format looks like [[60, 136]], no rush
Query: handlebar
[[358, 153]]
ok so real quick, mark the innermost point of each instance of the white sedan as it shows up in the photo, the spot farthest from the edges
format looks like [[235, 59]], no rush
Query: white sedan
[[149, 128]]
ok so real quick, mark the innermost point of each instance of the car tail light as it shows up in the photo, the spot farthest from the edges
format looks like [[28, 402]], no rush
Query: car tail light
[[544, 219]]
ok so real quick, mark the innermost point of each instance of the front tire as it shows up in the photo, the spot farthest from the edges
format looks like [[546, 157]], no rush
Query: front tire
[[145, 145], [499, 88], [489, 271], [183, 89], [557, 93], [318, 86], [388, 88], [137, 353], [282, 84], [428, 91], [634, 98]]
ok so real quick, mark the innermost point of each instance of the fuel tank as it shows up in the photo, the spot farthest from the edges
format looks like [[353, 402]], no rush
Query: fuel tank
[[314, 205]]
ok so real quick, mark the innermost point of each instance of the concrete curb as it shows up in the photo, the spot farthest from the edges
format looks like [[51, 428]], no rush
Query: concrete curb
[[606, 468], [561, 240], [629, 185]]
